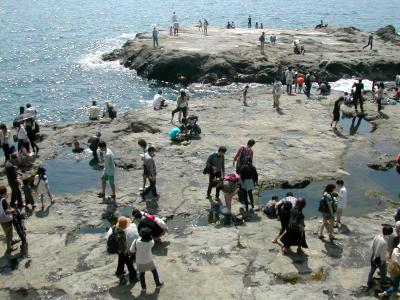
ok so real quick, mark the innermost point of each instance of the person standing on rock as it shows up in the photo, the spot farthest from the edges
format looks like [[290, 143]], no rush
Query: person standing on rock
[[245, 97], [155, 37], [380, 97], [145, 147], [126, 233], [107, 156], [205, 27], [215, 167], [295, 235], [379, 255], [262, 42], [276, 93], [327, 207], [289, 76], [12, 178], [342, 200], [6, 141], [358, 95], [151, 173], [248, 181], [181, 105], [42, 186], [370, 39], [308, 84], [94, 145], [284, 207], [200, 25], [174, 18], [249, 22], [244, 155], [336, 111]]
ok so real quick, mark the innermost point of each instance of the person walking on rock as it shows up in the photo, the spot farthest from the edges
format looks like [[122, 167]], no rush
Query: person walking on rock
[[358, 95], [327, 207], [144, 258], [262, 42], [336, 111], [125, 234], [12, 178], [379, 254], [244, 155], [370, 39], [107, 157], [215, 168], [295, 235], [342, 200], [150, 171], [155, 37], [159, 101], [276, 93]]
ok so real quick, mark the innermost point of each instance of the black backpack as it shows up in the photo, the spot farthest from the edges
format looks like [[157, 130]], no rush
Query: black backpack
[[116, 242], [324, 205], [285, 208]]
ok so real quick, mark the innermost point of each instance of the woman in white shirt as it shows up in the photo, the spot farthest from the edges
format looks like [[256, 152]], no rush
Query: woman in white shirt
[[144, 258], [6, 141]]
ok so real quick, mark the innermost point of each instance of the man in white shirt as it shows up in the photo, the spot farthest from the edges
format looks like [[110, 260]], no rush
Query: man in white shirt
[[22, 135], [342, 200], [159, 101], [31, 110], [94, 111], [379, 255]]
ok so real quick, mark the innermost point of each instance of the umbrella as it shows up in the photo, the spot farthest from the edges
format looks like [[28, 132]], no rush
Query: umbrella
[[23, 117]]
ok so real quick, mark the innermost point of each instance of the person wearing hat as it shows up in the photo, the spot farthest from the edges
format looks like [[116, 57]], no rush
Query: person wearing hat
[[155, 224], [159, 101], [181, 105], [243, 155], [126, 233], [379, 254]]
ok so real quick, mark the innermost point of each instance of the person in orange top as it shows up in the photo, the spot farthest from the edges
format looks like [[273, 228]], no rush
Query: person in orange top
[[300, 82]]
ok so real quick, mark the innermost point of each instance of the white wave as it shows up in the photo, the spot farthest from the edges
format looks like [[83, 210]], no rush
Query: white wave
[[345, 85]]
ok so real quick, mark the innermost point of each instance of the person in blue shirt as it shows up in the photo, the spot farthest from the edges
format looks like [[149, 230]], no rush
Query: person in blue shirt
[[155, 37], [178, 134]]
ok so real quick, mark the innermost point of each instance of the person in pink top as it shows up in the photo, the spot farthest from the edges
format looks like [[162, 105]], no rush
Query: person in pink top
[[243, 155]]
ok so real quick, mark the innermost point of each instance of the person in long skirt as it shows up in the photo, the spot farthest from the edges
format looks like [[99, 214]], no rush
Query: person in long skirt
[[295, 235]]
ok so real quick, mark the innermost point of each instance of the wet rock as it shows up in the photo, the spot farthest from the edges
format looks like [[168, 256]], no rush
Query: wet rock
[[383, 163], [388, 34]]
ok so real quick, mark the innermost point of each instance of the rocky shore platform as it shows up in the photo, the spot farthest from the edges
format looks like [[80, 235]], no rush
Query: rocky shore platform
[[233, 55], [199, 259]]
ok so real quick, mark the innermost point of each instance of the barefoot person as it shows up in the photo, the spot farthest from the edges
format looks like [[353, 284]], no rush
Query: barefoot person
[[107, 157], [336, 111], [42, 185]]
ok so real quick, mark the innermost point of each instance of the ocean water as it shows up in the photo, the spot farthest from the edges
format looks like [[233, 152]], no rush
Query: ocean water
[[50, 50]]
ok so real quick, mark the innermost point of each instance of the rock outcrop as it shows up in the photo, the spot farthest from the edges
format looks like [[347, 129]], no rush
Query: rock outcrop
[[233, 55]]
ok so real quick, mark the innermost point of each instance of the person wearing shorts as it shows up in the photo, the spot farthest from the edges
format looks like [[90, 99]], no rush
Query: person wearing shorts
[[108, 171]]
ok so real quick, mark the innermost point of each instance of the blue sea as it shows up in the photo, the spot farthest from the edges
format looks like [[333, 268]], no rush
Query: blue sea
[[50, 50]]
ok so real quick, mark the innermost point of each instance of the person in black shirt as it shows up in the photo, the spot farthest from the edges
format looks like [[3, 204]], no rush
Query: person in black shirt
[[358, 97], [12, 177], [336, 111], [370, 39]]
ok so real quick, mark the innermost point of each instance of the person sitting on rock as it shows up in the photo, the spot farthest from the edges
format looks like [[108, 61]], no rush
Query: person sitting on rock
[[323, 89], [77, 148], [94, 111], [320, 25], [155, 224], [109, 110], [159, 101]]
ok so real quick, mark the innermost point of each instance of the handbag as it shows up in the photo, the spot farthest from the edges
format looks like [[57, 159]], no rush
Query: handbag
[[393, 268]]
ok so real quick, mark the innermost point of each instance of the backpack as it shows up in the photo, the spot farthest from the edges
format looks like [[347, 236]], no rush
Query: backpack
[[285, 208], [324, 206], [116, 242]]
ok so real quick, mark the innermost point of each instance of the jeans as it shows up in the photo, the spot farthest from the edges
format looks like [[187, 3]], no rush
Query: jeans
[[382, 269], [143, 280], [211, 178], [151, 187], [15, 195], [155, 42], [395, 286], [124, 259]]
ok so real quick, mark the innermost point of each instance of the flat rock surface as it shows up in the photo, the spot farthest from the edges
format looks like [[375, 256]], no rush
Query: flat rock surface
[[67, 257], [233, 55]]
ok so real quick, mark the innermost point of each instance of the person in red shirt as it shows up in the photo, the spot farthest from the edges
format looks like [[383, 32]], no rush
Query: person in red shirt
[[244, 155]]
